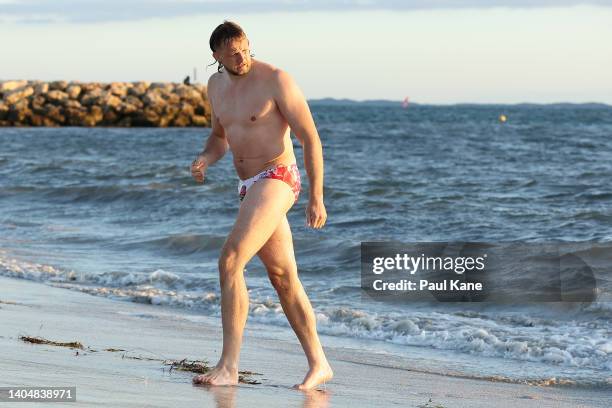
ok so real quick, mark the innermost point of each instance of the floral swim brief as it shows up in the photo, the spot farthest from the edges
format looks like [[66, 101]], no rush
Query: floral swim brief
[[289, 174]]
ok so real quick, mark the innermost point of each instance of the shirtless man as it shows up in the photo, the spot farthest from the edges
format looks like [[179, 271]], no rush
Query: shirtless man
[[253, 107]]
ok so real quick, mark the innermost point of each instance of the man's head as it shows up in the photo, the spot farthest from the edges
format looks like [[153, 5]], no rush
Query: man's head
[[230, 47]]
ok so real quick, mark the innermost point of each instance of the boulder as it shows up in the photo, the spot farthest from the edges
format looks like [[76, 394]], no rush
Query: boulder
[[41, 88], [164, 121], [139, 88], [152, 98], [56, 114], [15, 95], [201, 88], [37, 104], [88, 121], [91, 97], [110, 117], [203, 108], [8, 86], [189, 94], [198, 120], [171, 110], [48, 122], [108, 100], [127, 108], [19, 112], [56, 96], [73, 91], [165, 86], [118, 89], [151, 115], [19, 105], [75, 116], [132, 100], [186, 109], [71, 103], [58, 85], [173, 99], [181, 120], [37, 120], [90, 86], [96, 113]]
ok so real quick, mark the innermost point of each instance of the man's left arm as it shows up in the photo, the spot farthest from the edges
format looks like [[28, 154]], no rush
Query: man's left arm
[[293, 106]]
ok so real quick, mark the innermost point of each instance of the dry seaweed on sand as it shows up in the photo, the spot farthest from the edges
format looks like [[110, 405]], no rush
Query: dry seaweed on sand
[[202, 367], [141, 358], [195, 366], [40, 340]]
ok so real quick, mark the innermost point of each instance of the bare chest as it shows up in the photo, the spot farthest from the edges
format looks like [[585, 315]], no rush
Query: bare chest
[[244, 110]]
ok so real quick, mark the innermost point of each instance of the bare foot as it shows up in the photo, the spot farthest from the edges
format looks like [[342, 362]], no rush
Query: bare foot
[[220, 375], [315, 376]]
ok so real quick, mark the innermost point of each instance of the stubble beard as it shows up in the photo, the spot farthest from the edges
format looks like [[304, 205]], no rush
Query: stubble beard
[[232, 72]]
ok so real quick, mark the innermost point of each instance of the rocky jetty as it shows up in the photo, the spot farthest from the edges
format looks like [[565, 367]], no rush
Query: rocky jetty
[[123, 104]]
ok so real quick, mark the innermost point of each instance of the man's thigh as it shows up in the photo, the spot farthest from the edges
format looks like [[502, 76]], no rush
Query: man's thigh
[[261, 211], [277, 253]]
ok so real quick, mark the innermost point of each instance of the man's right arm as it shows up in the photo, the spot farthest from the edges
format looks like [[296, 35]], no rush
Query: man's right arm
[[216, 145]]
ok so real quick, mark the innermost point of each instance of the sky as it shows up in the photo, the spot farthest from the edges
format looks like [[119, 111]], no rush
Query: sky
[[432, 51]]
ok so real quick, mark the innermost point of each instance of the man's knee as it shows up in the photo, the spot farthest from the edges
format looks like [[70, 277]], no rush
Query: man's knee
[[282, 279], [230, 263]]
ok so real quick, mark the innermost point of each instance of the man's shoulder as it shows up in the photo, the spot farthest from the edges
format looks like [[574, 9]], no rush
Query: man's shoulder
[[214, 78], [274, 75], [270, 71]]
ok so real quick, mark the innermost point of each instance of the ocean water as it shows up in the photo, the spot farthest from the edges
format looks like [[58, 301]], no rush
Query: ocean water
[[115, 213]]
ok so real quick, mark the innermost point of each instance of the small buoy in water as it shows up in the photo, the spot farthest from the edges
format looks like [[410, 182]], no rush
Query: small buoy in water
[[503, 118]]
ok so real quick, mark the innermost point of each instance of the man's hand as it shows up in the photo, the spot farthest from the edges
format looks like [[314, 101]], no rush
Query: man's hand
[[198, 168], [316, 215]]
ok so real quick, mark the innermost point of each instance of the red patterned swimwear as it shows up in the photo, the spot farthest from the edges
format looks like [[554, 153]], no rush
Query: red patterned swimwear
[[289, 174]]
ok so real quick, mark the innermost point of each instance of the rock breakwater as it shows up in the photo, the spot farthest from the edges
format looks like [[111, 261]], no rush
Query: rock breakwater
[[122, 104]]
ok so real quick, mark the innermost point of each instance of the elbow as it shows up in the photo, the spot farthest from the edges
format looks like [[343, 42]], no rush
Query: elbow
[[307, 137], [311, 142]]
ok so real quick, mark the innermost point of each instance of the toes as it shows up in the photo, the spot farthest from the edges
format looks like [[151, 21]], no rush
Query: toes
[[200, 379]]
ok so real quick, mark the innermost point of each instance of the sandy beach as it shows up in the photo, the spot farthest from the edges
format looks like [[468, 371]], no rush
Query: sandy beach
[[147, 336]]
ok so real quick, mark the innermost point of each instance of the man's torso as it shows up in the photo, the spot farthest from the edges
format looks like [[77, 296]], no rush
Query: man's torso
[[256, 131]]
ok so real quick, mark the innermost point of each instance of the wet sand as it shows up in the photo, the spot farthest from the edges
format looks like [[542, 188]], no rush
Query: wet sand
[[148, 335]]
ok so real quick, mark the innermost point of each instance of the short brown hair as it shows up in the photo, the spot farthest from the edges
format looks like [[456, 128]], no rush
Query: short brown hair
[[225, 32], [222, 35]]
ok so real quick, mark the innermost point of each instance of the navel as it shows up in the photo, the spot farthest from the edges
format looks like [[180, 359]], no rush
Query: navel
[[253, 118]]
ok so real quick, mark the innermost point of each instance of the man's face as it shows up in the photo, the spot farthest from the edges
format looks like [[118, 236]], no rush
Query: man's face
[[235, 56]]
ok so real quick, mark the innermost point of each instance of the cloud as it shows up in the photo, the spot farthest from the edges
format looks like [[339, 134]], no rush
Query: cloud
[[84, 11]]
